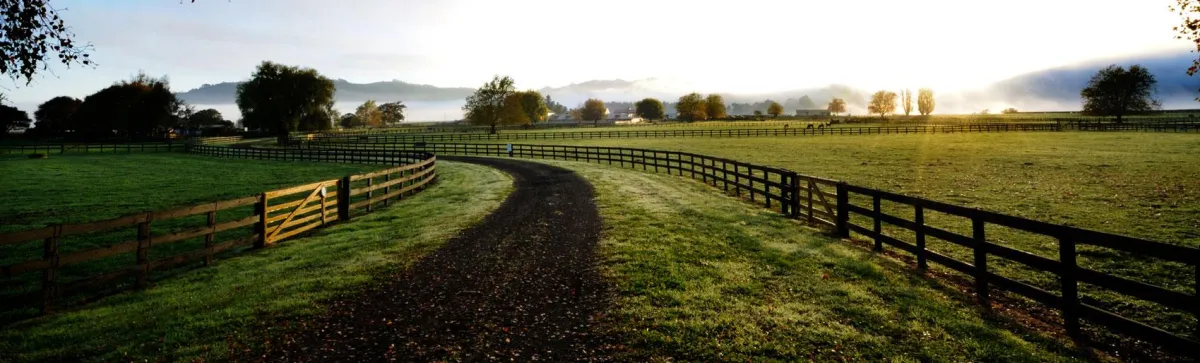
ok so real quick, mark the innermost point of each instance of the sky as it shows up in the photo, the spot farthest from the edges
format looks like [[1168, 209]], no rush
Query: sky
[[708, 46]]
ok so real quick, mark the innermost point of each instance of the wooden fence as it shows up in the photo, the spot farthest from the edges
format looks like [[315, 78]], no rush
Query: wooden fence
[[88, 148], [1066, 268], [256, 221], [361, 156], [1155, 127], [827, 202], [214, 140], [620, 134]]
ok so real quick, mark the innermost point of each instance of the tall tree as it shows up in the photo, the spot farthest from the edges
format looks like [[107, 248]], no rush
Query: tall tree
[[141, 107], [807, 103], [836, 106], [649, 108], [277, 97], [534, 106], [393, 112], [514, 111], [56, 115], [182, 111], [486, 106], [349, 120], [715, 107], [555, 107], [774, 109], [925, 101], [1115, 91], [882, 103], [368, 113], [692, 107], [30, 34], [320, 119], [206, 117], [12, 118], [593, 110], [906, 98]]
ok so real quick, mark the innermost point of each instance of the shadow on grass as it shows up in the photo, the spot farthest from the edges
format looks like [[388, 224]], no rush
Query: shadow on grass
[[704, 277], [205, 312]]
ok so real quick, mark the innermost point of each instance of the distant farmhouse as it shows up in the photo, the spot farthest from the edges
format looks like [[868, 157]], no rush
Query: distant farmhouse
[[812, 112], [628, 116], [620, 118]]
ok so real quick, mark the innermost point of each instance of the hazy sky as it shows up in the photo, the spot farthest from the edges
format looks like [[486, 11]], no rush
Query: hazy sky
[[728, 46]]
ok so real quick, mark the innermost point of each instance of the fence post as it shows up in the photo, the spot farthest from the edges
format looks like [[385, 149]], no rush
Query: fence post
[[388, 189], [261, 228], [843, 212], [370, 193], [343, 199], [811, 187], [981, 272], [1070, 286], [208, 238], [143, 251], [50, 274], [878, 225], [795, 208], [919, 220]]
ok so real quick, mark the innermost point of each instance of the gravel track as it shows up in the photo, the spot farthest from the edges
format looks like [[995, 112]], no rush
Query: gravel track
[[522, 285]]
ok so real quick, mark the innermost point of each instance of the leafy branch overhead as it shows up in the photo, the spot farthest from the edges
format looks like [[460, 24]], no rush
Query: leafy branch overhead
[[31, 32], [1189, 28]]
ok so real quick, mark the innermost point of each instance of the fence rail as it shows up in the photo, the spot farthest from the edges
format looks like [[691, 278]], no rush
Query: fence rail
[[621, 134], [828, 202], [255, 221], [1066, 268], [214, 140], [88, 148], [759, 132]]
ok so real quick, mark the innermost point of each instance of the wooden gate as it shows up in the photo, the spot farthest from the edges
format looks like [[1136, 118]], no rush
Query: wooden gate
[[291, 211], [819, 209]]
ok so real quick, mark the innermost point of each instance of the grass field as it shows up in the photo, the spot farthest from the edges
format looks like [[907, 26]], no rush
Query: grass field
[[705, 277], [78, 188], [82, 188], [1137, 184], [205, 313]]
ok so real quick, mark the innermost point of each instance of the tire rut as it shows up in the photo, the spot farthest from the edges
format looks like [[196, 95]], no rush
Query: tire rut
[[521, 285]]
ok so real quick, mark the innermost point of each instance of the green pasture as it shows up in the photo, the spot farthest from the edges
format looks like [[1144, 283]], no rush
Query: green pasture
[[1136, 184], [703, 277], [211, 313]]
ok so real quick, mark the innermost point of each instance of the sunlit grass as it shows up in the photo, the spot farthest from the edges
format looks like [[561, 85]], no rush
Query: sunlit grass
[[1137, 184], [204, 313], [704, 277]]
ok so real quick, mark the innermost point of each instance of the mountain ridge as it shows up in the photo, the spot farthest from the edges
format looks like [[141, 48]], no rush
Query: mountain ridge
[[1050, 89]]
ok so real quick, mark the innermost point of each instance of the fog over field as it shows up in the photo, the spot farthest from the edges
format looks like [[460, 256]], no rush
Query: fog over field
[[1054, 89]]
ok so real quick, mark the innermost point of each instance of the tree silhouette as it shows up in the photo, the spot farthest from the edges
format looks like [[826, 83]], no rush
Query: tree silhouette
[[1115, 91]]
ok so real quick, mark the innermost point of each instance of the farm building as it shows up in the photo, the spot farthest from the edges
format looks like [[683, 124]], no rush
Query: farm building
[[812, 112], [628, 116]]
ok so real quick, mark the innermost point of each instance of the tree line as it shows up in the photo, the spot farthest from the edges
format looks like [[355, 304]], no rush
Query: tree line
[[138, 108]]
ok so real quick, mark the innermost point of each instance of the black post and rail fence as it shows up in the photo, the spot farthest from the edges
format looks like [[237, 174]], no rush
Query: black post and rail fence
[[169, 238], [835, 204]]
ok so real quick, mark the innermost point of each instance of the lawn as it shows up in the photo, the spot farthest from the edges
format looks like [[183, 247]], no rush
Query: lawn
[[76, 188], [204, 314], [700, 276], [1136, 184]]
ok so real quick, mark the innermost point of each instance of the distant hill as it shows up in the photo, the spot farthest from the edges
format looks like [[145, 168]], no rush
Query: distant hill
[[225, 92], [1061, 85], [1047, 90]]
